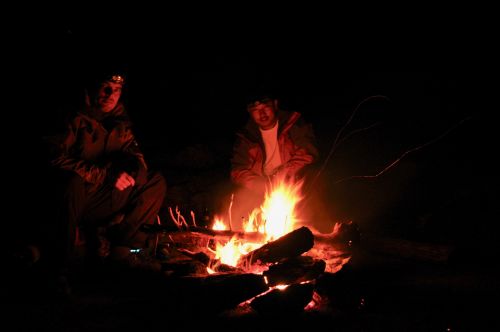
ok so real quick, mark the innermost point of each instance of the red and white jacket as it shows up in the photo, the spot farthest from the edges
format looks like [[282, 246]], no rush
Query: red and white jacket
[[297, 150]]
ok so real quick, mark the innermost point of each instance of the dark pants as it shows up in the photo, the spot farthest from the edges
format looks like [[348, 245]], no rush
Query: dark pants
[[87, 208]]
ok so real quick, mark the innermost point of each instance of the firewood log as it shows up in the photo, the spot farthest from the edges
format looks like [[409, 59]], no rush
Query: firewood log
[[291, 300], [294, 270], [206, 295], [226, 291], [289, 245]]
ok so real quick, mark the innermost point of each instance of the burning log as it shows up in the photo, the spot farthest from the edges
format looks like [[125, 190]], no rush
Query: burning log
[[290, 300], [336, 248], [199, 243], [290, 245], [206, 295], [217, 266], [294, 270], [343, 235], [219, 292]]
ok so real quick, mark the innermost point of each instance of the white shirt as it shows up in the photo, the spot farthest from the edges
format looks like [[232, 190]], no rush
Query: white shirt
[[273, 158]]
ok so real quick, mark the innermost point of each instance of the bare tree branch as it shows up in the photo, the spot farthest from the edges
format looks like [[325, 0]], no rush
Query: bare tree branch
[[339, 140], [395, 162]]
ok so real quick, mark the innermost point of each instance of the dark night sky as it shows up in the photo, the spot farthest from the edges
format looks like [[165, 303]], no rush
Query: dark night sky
[[195, 78]]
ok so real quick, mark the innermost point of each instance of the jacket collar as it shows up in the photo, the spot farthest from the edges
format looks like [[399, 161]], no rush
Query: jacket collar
[[98, 115], [285, 121]]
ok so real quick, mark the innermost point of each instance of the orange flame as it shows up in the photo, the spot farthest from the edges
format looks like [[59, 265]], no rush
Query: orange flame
[[274, 218], [219, 225]]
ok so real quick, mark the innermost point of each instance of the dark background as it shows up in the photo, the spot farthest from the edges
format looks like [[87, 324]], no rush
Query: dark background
[[187, 75], [186, 87]]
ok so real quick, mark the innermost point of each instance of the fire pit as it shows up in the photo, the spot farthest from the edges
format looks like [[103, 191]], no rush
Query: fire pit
[[270, 268]]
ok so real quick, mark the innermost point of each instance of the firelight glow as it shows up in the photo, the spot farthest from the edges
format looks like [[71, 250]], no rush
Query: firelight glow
[[274, 218]]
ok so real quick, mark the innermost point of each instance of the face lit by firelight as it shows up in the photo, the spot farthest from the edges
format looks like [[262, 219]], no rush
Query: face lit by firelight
[[263, 112], [108, 95]]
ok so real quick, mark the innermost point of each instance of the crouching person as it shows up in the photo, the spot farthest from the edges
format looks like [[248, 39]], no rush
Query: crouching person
[[108, 192]]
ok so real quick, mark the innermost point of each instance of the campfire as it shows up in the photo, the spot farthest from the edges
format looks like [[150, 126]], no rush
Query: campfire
[[270, 266]]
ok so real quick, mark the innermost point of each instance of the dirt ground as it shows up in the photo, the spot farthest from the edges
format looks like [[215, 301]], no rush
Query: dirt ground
[[370, 293]]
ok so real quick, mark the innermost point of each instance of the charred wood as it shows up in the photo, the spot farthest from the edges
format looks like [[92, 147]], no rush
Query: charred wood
[[344, 235], [219, 292], [290, 245], [203, 295], [291, 300], [217, 266], [294, 270]]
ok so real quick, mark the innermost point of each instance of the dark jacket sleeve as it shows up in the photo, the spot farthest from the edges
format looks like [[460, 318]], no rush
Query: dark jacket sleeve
[[64, 155], [140, 170], [243, 163], [124, 153], [303, 150]]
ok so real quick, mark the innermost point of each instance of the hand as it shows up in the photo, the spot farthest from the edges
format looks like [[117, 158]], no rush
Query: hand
[[124, 181], [280, 174]]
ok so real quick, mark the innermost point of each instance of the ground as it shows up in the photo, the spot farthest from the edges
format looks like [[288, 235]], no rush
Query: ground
[[373, 292]]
